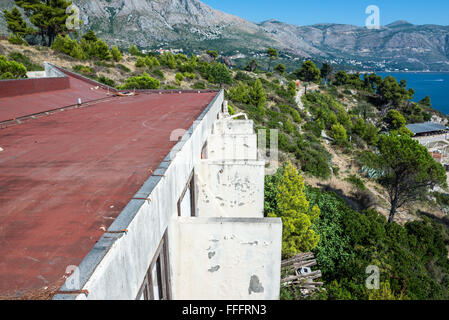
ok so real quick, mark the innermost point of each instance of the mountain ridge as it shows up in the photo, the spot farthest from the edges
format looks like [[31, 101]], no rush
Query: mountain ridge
[[193, 25]]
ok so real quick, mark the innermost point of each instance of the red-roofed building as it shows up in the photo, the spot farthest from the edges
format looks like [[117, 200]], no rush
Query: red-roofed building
[[128, 195]]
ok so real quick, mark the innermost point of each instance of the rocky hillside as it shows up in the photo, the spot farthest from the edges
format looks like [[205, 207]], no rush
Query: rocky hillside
[[193, 25]]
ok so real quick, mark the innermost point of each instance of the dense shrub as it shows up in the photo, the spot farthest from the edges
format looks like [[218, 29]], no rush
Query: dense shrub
[[290, 203], [116, 54], [123, 67], [134, 51], [69, 47], [168, 59], [11, 69], [356, 182], [16, 39], [106, 81], [199, 85], [158, 73], [85, 70], [141, 82], [412, 259], [26, 61]]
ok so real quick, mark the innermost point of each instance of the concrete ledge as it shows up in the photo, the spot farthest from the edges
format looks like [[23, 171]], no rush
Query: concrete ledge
[[215, 250], [88, 266]]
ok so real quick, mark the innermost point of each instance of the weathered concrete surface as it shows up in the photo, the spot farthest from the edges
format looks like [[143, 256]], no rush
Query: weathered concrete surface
[[232, 147], [227, 126], [230, 188], [229, 259]]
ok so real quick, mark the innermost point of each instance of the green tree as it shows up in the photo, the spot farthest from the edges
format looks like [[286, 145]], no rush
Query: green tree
[[291, 88], [364, 109], [213, 54], [372, 81], [134, 51], [273, 55], [219, 73], [395, 120], [101, 50], [169, 60], [49, 16], [280, 68], [251, 66], [90, 36], [426, 102], [257, 96], [338, 133], [308, 72], [16, 24], [116, 54], [341, 78], [326, 71], [392, 93], [296, 213], [410, 170], [371, 135], [68, 46], [141, 82]]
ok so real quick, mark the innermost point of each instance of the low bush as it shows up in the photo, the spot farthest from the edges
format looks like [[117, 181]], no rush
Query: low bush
[[199, 85], [141, 82], [26, 61], [356, 182], [123, 67], [11, 69]]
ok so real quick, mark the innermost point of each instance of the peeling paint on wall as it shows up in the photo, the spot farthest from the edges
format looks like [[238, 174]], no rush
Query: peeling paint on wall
[[214, 269], [255, 285]]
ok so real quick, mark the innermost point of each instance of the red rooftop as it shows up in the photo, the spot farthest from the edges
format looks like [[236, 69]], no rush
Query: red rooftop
[[68, 170]]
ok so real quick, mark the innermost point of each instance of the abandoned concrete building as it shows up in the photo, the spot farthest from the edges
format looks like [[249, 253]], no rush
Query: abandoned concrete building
[[130, 195]]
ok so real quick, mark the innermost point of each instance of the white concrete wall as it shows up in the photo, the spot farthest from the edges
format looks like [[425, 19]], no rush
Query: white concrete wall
[[230, 188], [226, 259], [231, 126], [36, 74], [232, 147]]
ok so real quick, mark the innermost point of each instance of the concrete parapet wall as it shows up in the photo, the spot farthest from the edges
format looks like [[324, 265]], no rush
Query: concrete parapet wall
[[230, 188], [226, 259], [231, 126], [232, 147]]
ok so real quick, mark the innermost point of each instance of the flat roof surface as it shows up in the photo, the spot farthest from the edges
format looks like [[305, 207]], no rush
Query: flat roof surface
[[66, 176], [418, 128], [26, 104]]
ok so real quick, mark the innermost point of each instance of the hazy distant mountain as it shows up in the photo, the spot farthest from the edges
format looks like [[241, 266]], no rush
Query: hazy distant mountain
[[192, 24], [401, 43]]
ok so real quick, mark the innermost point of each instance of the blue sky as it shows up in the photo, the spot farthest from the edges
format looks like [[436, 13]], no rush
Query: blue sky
[[308, 12]]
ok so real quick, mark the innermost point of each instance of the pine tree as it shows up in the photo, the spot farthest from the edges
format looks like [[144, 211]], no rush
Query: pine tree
[[220, 74], [102, 50], [134, 51], [16, 24], [90, 36], [116, 54], [257, 96], [272, 54], [296, 213], [49, 16]]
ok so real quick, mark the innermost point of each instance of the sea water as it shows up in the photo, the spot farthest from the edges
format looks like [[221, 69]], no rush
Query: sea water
[[435, 85]]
